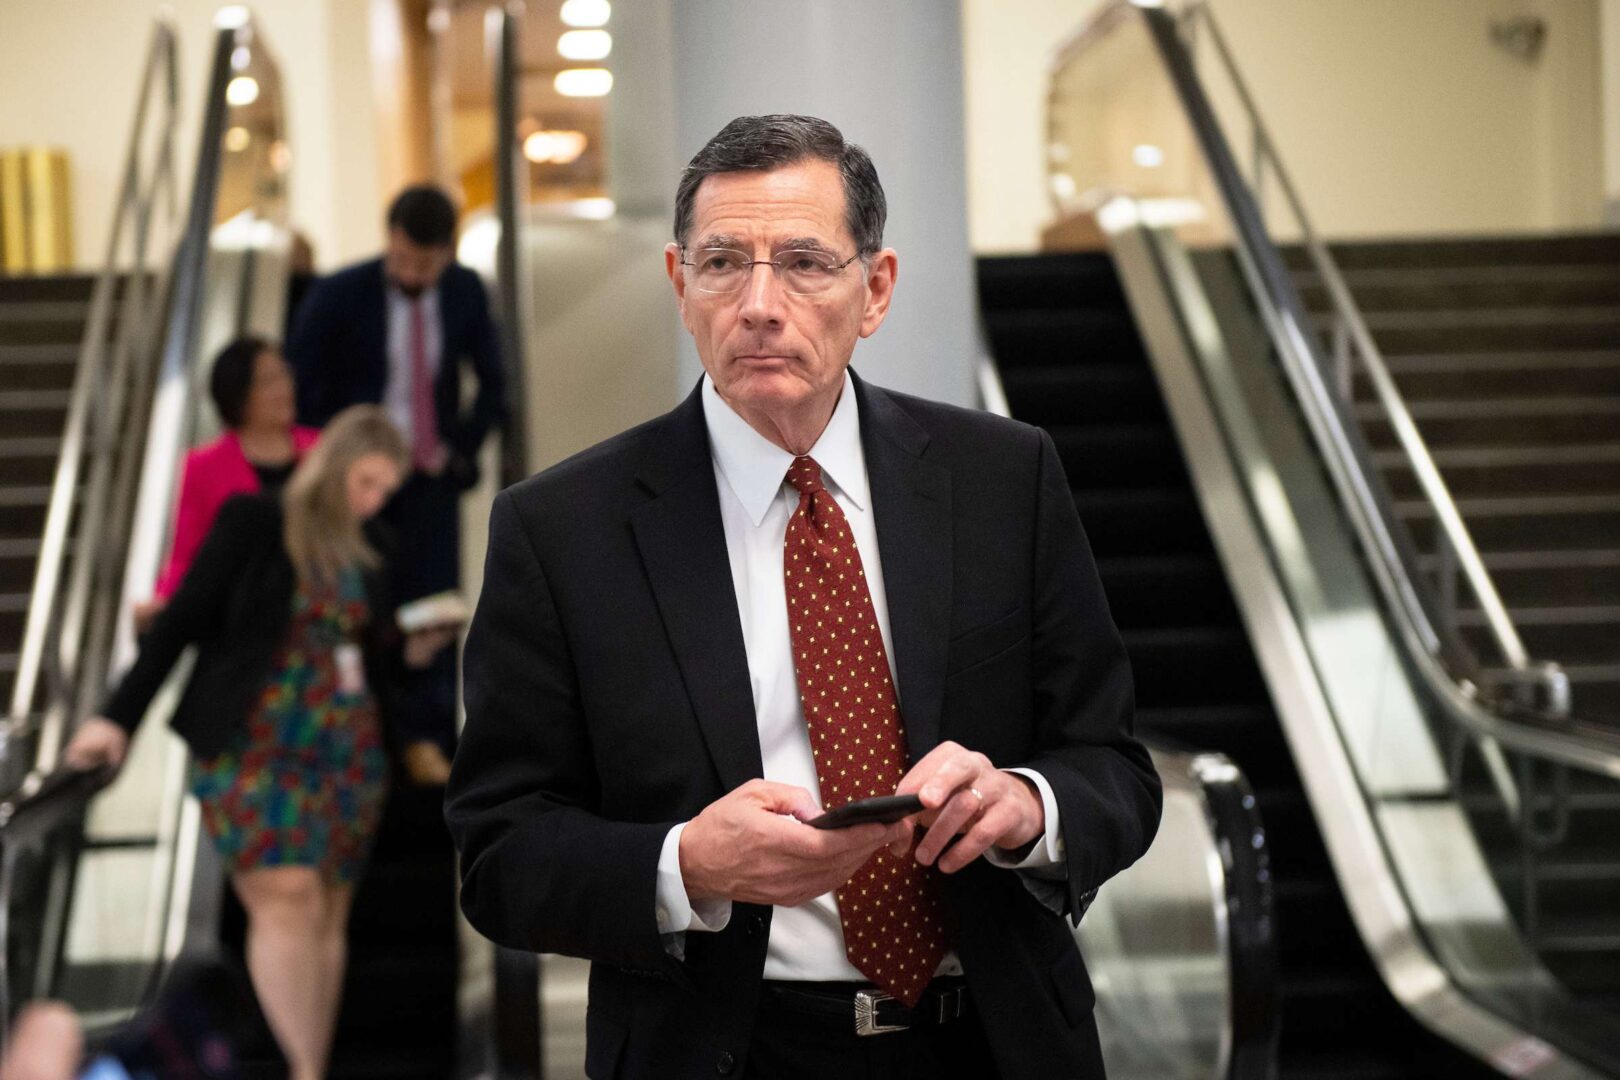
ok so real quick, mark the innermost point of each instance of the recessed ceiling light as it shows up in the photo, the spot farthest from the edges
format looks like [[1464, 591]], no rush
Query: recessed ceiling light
[[585, 44], [583, 82], [586, 12]]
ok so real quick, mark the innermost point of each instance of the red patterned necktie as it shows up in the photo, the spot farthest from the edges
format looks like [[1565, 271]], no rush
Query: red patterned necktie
[[892, 910], [424, 418]]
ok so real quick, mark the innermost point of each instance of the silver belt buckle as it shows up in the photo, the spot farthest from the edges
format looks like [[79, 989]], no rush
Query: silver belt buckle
[[866, 1006]]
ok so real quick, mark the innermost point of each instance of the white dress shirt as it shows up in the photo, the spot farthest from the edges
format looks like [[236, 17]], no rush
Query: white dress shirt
[[806, 942], [397, 394]]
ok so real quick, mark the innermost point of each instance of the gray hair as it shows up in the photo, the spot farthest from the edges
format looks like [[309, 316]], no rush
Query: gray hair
[[763, 143]]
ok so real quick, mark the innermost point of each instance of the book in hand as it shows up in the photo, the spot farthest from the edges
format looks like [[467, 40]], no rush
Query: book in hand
[[439, 611]]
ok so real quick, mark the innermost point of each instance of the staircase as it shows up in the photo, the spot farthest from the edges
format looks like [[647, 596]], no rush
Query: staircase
[[41, 325], [1072, 362], [1508, 351]]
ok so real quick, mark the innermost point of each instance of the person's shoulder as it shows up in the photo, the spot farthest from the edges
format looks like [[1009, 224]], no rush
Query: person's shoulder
[[956, 428], [358, 275], [250, 513]]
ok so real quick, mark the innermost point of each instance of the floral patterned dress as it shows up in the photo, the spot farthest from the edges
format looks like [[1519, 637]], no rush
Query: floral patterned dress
[[303, 782]]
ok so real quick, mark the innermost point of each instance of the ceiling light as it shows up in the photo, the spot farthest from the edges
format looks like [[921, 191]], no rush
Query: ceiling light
[[242, 90], [554, 147], [1148, 156], [585, 44], [586, 12], [583, 82], [237, 139]]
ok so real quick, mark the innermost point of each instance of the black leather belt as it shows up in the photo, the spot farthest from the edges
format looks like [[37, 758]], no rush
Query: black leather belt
[[872, 1011]]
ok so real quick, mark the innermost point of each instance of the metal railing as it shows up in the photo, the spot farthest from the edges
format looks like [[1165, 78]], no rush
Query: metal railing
[[515, 1021], [66, 612], [1353, 344]]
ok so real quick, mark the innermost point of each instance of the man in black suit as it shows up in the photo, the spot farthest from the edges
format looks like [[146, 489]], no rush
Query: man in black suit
[[691, 640], [400, 331]]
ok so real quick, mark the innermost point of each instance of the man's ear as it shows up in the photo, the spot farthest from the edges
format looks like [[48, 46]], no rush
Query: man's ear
[[677, 279], [881, 274]]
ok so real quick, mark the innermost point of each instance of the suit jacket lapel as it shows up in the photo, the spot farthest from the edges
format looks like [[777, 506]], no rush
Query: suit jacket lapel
[[683, 547], [911, 498]]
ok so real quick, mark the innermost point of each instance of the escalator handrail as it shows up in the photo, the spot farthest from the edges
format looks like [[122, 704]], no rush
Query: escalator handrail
[[516, 1029], [1243, 894], [1536, 734], [503, 25], [51, 645]]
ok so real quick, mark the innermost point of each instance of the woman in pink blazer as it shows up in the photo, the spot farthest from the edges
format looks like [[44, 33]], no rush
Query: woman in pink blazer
[[252, 388]]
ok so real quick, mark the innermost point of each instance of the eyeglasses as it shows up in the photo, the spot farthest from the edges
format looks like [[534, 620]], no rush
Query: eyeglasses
[[803, 273]]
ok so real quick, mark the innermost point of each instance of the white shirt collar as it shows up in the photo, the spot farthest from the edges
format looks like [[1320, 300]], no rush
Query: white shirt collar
[[756, 468]]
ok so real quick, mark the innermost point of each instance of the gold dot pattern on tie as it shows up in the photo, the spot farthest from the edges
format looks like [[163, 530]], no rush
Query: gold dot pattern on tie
[[892, 909]]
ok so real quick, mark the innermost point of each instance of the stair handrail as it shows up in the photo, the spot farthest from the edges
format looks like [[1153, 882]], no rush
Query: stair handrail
[[1446, 668], [1353, 341], [52, 640]]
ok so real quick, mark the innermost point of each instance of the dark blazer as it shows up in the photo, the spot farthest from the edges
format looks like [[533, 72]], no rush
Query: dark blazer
[[338, 347], [608, 699], [235, 604]]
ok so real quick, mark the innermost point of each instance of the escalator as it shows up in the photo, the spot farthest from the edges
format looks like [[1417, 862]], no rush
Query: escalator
[[108, 888], [1436, 808], [1071, 361]]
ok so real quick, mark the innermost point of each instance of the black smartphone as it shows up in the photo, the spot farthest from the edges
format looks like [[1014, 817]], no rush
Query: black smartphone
[[882, 810]]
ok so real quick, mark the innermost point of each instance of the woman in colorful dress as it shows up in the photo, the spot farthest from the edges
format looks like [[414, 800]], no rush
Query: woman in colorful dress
[[252, 387], [297, 660]]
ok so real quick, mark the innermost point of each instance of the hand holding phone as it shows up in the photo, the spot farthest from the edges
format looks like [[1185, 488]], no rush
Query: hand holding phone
[[882, 810]]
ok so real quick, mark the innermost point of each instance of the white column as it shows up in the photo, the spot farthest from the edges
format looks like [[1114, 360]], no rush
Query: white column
[[889, 75]]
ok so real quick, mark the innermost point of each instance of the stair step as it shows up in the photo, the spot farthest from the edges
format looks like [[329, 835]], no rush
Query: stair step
[[1537, 375], [46, 288], [1440, 288], [1529, 469], [1558, 250]]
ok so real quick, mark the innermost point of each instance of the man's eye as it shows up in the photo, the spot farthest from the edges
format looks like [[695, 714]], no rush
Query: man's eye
[[806, 264], [721, 263]]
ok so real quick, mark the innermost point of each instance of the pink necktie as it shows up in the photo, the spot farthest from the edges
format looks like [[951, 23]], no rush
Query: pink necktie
[[424, 417]]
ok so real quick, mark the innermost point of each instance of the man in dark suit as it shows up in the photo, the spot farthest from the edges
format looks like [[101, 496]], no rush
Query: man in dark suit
[[794, 591], [400, 331]]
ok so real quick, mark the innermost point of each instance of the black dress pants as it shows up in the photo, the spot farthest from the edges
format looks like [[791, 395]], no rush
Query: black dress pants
[[791, 1044]]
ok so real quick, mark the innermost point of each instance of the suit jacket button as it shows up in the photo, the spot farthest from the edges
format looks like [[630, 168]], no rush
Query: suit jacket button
[[756, 925], [725, 1064]]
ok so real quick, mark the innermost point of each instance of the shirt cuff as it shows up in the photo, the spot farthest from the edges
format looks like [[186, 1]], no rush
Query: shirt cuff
[[676, 912], [1047, 850]]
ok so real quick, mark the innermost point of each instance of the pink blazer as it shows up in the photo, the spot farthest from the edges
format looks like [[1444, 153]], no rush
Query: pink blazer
[[213, 473]]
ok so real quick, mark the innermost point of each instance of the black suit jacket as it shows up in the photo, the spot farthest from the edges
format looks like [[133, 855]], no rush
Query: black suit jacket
[[608, 699], [338, 347], [235, 604]]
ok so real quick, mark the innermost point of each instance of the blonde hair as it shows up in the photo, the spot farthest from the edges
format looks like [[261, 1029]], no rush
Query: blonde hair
[[323, 536]]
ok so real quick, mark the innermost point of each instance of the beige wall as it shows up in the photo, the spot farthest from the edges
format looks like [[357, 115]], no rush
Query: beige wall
[[1007, 45], [68, 72], [1395, 116]]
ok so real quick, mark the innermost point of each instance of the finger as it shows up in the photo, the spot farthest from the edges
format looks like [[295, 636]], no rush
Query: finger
[[781, 798], [953, 818], [919, 773], [991, 827]]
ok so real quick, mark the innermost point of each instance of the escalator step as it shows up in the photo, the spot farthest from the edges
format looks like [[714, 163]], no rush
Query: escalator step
[[1080, 279], [1059, 337], [1193, 666], [1085, 394], [1166, 591], [1115, 456], [1148, 521]]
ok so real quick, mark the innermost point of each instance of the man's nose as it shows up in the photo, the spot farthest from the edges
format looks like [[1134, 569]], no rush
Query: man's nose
[[762, 296]]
